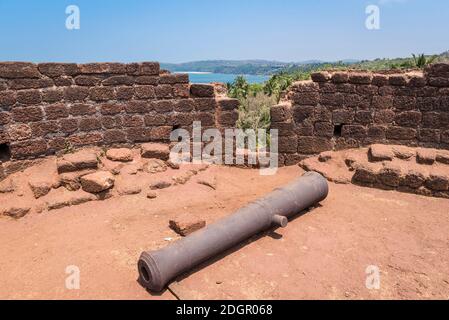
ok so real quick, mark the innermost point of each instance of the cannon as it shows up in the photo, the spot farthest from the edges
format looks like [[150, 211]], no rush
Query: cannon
[[158, 268]]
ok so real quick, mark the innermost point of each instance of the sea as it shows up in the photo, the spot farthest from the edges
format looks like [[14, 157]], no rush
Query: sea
[[206, 77]]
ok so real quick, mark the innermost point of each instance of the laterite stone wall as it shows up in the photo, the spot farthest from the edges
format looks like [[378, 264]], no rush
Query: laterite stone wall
[[47, 107]]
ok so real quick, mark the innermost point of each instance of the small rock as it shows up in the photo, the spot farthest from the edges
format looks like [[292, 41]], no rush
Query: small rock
[[97, 182], [155, 166], [77, 161], [426, 156], [159, 185], [40, 188], [16, 212], [57, 204], [71, 180], [438, 182], [390, 175], [121, 155], [116, 169], [128, 189], [325, 156], [7, 186], [185, 177], [351, 163], [187, 224], [151, 195], [155, 151], [380, 152], [403, 152], [81, 198], [210, 182]]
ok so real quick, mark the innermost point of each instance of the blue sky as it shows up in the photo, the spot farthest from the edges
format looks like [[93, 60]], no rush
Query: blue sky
[[187, 30]]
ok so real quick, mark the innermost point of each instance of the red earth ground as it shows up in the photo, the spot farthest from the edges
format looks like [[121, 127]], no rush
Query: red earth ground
[[322, 254]]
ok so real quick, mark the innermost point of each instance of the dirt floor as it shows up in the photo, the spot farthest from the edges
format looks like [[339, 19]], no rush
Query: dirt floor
[[322, 254]]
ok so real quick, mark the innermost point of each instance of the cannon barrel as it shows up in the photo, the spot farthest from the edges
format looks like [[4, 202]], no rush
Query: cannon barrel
[[158, 268]]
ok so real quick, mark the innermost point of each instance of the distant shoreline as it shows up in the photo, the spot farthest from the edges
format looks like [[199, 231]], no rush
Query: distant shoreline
[[193, 72]]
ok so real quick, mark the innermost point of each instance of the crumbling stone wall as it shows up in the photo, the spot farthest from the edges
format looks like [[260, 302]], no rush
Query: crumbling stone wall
[[341, 110], [47, 107]]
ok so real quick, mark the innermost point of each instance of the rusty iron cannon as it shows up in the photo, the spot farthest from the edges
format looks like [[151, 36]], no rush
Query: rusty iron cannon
[[158, 268]]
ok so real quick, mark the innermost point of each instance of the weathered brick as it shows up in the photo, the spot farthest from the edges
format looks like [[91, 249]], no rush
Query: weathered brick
[[54, 70], [352, 100], [398, 80], [400, 133], [147, 80], [384, 116], [280, 113], [138, 107], [89, 124], [340, 77], [111, 122], [145, 92], [29, 97], [438, 70], [114, 136], [404, 103], [288, 144], [417, 81], [327, 87], [228, 118], [310, 98], [429, 135], [14, 70], [56, 111], [314, 145], [181, 90], [52, 95], [205, 104], [82, 109], [184, 105], [144, 69], [27, 114], [76, 93], [343, 116], [155, 119], [63, 81], [87, 81], [427, 103], [138, 134], [354, 131], [7, 98], [303, 113], [360, 78], [180, 119], [364, 117], [5, 118], [174, 78], [163, 106], [408, 119], [438, 82], [68, 125], [324, 129], [160, 133], [124, 93], [332, 99], [430, 120], [19, 132], [20, 84], [322, 76], [206, 118], [40, 129], [322, 114], [121, 80], [377, 133], [380, 80], [86, 139], [163, 91], [132, 121], [111, 108], [102, 93], [102, 68], [29, 148], [386, 91]]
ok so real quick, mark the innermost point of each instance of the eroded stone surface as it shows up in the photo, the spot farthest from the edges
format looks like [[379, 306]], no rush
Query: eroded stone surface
[[120, 155], [77, 161], [16, 212], [380, 152], [40, 188], [155, 151]]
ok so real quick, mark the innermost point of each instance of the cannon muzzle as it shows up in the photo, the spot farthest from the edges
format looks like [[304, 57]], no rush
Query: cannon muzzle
[[158, 268]]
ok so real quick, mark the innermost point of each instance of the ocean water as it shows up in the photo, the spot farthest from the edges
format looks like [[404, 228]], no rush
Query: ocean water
[[224, 78]]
